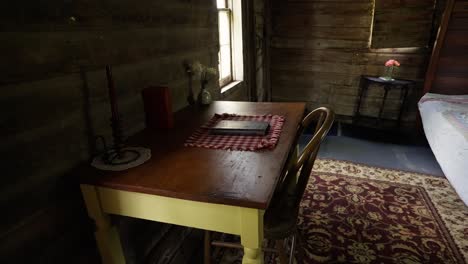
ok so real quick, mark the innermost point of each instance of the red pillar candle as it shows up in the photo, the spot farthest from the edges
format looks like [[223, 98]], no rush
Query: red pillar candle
[[112, 94], [158, 107]]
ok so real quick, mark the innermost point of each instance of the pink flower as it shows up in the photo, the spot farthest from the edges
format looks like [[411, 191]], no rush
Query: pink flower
[[392, 62]]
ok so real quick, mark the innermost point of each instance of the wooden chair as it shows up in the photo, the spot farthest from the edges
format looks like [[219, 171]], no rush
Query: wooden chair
[[280, 219]]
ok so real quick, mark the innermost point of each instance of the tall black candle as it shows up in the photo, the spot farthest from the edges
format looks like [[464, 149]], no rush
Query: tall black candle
[[112, 94]]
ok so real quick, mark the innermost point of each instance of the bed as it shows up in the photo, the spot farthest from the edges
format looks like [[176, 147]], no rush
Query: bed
[[445, 123], [444, 107]]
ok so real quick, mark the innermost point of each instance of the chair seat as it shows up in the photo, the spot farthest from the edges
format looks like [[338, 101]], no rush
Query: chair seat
[[280, 219]]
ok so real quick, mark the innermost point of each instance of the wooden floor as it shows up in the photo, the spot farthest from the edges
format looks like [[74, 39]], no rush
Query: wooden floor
[[379, 148]]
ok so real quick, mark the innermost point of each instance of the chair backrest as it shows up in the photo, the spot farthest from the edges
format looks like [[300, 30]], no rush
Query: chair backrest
[[300, 166]]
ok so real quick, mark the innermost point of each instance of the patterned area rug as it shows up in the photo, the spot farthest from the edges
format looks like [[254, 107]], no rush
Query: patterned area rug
[[354, 213]]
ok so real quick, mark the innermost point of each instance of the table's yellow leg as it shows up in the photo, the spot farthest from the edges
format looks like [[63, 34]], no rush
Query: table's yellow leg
[[252, 235], [107, 237]]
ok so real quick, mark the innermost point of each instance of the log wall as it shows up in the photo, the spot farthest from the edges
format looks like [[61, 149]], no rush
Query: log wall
[[53, 100]]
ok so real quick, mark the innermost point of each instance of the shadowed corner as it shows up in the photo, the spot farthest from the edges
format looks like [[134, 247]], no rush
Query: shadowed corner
[[88, 124]]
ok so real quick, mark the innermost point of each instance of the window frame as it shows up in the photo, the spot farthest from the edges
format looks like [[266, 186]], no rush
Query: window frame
[[234, 7], [228, 79]]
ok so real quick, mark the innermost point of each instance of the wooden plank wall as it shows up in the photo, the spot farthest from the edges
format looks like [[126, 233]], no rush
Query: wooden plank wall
[[416, 14], [259, 11], [53, 100], [451, 76], [321, 47]]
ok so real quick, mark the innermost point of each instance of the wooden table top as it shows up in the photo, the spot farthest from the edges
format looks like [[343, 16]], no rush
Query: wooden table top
[[393, 82], [240, 178]]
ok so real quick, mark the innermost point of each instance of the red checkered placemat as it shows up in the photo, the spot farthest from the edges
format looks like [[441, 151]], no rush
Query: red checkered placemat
[[203, 139]]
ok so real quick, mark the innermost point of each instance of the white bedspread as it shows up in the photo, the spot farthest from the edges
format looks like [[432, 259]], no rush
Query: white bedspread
[[445, 122]]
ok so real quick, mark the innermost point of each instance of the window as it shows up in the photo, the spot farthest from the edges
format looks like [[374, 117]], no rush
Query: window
[[402, 24], [230, 41], [225, 47]]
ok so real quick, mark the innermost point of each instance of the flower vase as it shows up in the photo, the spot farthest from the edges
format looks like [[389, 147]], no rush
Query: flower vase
[[204, 97], [388, 74]]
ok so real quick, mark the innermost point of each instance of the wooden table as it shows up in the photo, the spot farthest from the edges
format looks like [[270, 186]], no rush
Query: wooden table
[[217, 190]]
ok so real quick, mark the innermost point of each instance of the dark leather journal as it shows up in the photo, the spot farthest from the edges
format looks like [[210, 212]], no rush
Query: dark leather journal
[[232, 127]]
